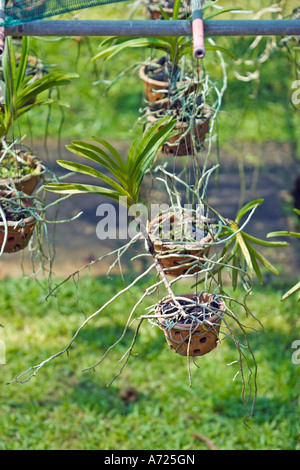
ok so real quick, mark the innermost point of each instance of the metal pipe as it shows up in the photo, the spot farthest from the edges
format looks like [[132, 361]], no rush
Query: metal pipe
[[198, 30], [151, 28]]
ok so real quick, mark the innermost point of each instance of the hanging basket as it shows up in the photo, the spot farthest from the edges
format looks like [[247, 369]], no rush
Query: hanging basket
[[157, 87], [175, 256], [182, 144], [198, 333], [20, 229], [26, 183], [190, 137]]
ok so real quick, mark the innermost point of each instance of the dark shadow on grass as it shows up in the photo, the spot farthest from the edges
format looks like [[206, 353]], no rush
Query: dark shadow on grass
[[106, 401]]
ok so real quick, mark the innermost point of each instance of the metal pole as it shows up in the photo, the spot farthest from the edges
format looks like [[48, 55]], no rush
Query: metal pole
[[153, 28]]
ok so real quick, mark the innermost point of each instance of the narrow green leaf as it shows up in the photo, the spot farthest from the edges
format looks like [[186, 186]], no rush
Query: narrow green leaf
[[264, 261], [111, 51], [87, 170], [292, 291], [220, 12], [85, 150], [247, 207], [112, 150], [254, 263], [51, 80], [244, 250], [77, 188], [224, 50], [258, 241], [283, 233], [163, 13], [176, 8], [235, 263], [21, 70], [151, 141]]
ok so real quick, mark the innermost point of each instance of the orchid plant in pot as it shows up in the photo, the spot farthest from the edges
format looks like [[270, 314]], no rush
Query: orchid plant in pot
[[124, 181], [194, 322], [174, 72], [125, 188], [20, 169], [128, 176], [18, 217]]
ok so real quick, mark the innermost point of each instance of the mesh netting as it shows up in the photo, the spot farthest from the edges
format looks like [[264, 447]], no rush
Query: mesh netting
[[21, 11]]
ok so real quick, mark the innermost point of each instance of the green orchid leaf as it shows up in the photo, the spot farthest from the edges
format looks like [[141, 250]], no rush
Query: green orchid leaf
[[163, 13], [246, 208], [220, 12], [77, 188], [265, 262], [235, 264], [96, 154], [109, 52], [283, 233], [87, 170], [292, 291], [224, 50], [21, 93], [45, 102], [22, 63], [176, 9], [112, 150], [49, 81], [254, 262], [258, 241], [240, 240]]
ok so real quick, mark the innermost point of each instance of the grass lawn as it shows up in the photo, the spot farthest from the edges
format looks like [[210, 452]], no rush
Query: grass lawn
[[65, 408]]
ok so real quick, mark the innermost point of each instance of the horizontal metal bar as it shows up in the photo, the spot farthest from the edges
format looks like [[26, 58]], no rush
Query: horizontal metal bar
[[154, 28]]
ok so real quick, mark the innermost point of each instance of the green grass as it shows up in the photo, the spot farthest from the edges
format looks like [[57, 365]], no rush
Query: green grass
[[65, 408]]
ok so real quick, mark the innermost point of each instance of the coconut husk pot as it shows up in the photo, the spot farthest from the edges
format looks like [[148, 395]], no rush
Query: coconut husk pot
[[182, 144], [198, 333], [154, 81], [175, 256], [188, 137], [27, 183], [19, 230]]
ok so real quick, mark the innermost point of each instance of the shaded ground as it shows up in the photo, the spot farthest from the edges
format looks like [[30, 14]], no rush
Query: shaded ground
[[265, 171]]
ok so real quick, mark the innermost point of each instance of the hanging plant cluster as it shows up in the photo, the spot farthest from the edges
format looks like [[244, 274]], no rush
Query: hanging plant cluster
[[24, 79], [184, 243]]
